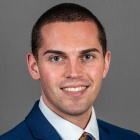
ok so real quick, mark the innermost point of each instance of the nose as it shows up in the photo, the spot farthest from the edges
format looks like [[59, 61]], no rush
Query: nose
[[74, 69]]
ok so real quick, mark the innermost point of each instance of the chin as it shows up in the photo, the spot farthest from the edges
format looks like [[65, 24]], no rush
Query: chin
[[76, 110]]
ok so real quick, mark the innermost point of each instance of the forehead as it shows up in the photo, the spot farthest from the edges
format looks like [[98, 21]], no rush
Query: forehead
[[64, 35], [68, 28]]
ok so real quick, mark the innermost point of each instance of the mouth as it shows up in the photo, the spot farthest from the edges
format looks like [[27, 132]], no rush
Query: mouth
[[75, 91]]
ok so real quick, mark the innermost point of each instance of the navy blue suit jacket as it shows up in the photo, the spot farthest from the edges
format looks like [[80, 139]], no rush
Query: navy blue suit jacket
[[36, 127]]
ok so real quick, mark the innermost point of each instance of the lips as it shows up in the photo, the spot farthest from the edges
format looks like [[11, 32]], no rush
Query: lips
[[74, 89]]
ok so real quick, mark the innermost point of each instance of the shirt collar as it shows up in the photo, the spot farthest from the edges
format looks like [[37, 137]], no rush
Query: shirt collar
[[66, 129]]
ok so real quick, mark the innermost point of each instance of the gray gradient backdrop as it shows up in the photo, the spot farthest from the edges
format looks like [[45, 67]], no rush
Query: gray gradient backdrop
[[119, 99]]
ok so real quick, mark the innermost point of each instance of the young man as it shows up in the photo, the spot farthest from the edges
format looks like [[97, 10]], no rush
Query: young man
[[70, 58]]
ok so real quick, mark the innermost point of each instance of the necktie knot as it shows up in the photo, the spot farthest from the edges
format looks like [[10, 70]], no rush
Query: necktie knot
[[86, 136]]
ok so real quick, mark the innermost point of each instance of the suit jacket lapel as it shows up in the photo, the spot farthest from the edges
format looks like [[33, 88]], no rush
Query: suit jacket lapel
[[104, 132], [42, 129], [39, 125]]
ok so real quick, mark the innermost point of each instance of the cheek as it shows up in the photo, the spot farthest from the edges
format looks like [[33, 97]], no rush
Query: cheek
[[95, 72], [51, 76], [48, 82]]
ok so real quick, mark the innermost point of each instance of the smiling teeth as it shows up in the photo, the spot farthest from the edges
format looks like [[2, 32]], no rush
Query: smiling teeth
[[74, 89]]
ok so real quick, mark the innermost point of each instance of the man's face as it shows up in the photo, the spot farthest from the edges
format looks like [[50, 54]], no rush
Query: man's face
[[70, 66]]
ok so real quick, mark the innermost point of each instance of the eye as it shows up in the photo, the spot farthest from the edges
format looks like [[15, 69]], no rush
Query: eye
[[87, 57], [56, 58]]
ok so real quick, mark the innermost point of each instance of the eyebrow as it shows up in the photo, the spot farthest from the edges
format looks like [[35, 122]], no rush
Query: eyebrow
[[63, 53], [54, 51], [89, 50]]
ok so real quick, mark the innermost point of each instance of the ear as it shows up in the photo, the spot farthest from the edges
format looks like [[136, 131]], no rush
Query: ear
[[33, 66], [107, 63]]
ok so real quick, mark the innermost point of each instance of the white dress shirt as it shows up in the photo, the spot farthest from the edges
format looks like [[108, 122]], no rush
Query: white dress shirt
[[66, 129]]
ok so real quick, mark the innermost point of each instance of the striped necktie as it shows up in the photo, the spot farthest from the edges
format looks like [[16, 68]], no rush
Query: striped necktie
[[86, 136]]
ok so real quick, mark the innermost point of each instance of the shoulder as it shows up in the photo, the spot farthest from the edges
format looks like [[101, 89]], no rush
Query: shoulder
[[117, 132], [20, 132]]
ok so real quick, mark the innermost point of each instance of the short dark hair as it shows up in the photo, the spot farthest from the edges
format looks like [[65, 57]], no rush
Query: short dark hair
[[65, 12]]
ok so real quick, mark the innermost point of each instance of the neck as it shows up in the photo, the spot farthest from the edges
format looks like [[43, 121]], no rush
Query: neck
[[81, 120]]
